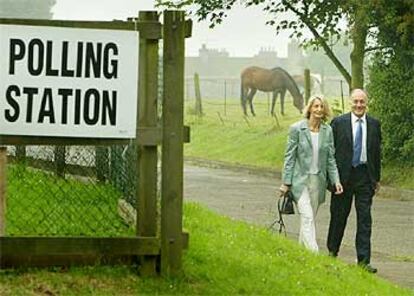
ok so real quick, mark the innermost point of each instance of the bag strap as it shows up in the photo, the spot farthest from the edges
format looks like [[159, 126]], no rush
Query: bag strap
[[280, 221]]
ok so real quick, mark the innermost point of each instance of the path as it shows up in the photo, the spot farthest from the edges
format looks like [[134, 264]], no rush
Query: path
[[251, 197]]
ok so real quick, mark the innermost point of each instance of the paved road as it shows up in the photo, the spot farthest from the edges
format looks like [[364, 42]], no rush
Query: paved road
[[251, 197]]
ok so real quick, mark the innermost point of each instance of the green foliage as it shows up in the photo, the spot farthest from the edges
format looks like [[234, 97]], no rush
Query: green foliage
[[317, 59], [399, 175], [225, 258], [321, 16], [392, 82], [395, 21], [337, 108], [392, 92]]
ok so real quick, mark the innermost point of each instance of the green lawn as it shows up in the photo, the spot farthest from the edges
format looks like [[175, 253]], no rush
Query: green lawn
[[225, 257], [224, 134]]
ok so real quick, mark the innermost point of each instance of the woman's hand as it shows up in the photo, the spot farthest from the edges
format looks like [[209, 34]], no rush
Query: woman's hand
[[338, 188], [283, 189]]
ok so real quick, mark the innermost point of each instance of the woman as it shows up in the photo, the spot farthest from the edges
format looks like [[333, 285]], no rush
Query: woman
[[309, 163]]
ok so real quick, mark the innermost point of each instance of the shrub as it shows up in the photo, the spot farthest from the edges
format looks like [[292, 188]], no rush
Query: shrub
[[392, 93]]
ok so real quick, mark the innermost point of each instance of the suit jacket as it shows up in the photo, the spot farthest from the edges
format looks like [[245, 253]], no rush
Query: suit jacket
[[342, 132], [298, 158]]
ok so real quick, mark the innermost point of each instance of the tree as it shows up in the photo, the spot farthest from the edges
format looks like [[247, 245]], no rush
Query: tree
[[26, 9], [316, 59], [392, 82], [325, 20]]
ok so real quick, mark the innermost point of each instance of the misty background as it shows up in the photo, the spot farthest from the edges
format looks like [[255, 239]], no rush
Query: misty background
[[218, 55]]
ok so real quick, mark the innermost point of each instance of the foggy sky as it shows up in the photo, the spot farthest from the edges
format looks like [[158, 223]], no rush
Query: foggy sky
[[243, 33]]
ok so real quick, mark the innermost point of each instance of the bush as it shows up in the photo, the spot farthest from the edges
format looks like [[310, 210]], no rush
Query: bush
[[392, 94]]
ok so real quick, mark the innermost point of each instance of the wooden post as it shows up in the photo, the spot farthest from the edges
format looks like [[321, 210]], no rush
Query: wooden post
[[101, 163], [147, 155], [198, 105], [306, 76], [225, 97], [172, 143], [60, 161], [21, 153], [3, 191]]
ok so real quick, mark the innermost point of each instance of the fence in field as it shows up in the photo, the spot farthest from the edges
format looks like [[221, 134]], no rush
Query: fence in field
[[227, 89]]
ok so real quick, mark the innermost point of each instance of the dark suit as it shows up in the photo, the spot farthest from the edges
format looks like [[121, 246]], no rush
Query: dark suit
[[358, 182]]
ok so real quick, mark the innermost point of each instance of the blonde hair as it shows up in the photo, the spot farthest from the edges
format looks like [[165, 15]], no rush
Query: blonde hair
[[326, 109]]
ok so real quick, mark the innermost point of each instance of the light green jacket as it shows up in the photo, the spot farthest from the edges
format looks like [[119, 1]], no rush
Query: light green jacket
[[298, 159]]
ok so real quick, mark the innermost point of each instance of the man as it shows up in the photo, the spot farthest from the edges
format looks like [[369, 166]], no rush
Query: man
[[357, 139]]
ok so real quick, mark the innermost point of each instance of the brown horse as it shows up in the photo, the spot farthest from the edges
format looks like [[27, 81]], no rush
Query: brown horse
[[274, 80]]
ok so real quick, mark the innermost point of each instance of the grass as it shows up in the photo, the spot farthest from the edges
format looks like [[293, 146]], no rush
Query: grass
[[256, 141], [398, 176], [42, 204], [225, 257]]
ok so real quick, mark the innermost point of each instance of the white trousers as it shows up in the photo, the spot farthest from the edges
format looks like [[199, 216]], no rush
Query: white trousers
[[308, 204]]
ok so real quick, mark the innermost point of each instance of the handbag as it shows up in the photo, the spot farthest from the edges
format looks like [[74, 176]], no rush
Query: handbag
[[284, 207], [285, 204]]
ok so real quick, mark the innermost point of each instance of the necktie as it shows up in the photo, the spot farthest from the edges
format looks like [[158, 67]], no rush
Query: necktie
[[356, 159]]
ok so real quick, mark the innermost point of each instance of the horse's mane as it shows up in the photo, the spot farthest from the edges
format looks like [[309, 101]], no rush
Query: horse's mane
[[288, 75]]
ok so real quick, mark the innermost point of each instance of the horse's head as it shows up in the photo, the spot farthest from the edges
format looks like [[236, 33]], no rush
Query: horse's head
[[298, 102]]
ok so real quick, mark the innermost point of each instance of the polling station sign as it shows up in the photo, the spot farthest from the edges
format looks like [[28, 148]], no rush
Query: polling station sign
[[68, 82]]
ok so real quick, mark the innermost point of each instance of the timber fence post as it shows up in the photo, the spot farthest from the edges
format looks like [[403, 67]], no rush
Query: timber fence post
[[172, 143], [3, 190], [306, 76], [198, 104], [147, 117]]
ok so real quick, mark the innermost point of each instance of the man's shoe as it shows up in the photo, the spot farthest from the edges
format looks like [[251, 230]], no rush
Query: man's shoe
[[368, 267]]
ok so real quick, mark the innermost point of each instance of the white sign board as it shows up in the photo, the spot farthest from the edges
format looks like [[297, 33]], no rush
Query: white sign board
[[68, 82]]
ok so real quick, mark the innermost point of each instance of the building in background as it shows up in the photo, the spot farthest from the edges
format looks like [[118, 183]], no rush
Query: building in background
[[220, 73]]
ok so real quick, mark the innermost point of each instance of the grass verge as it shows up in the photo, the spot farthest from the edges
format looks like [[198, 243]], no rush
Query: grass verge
[[225, 257]]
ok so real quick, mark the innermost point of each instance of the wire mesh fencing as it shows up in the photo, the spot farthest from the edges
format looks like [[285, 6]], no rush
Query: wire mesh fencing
[[69, 190]]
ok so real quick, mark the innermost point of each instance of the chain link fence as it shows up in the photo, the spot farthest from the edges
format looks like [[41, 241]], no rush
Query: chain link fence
[[69, 190]]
